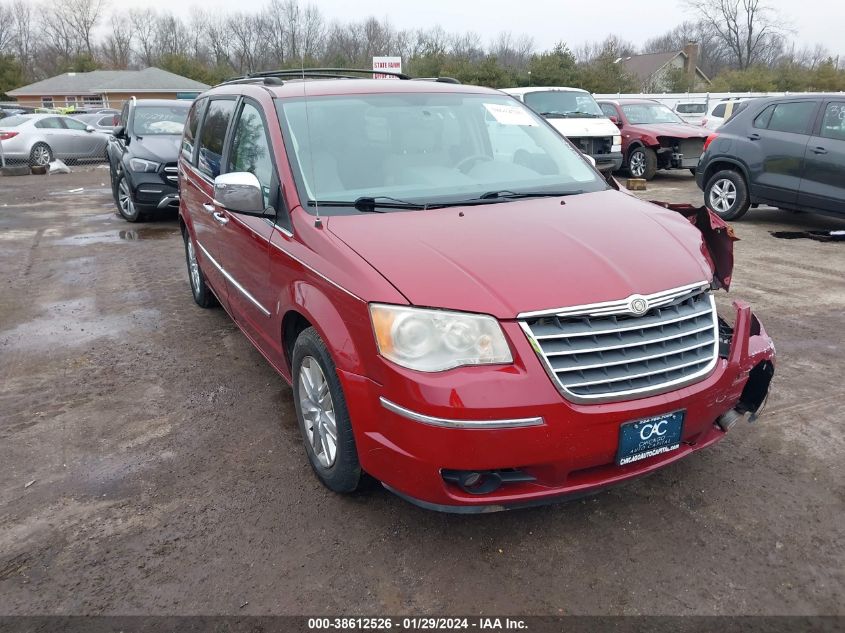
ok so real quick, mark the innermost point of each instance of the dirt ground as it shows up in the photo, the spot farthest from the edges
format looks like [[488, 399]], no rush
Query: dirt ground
[[150, 462]]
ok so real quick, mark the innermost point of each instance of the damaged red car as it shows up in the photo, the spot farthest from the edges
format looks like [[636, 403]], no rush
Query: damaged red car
[[466, 309], [654, 137]]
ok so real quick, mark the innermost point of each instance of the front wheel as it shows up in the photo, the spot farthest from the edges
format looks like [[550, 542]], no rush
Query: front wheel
[[726, 194], [322, 414], [642, 163], [125, 205]]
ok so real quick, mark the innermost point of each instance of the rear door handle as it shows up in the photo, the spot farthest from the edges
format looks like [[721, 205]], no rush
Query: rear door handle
[[219, 217], [819, 150], [754, 136], [208, 207]]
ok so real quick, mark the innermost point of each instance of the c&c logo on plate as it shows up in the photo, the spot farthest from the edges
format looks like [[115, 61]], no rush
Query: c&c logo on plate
[[650, 429]]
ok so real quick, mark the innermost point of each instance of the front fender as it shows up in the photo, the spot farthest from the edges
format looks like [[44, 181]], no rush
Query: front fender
[[339, 318]]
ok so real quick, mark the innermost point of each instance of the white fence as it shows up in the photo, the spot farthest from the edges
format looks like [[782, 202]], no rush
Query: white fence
[[672, 99]]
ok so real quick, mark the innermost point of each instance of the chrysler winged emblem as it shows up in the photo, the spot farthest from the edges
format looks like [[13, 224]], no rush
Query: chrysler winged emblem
[[637, 305]]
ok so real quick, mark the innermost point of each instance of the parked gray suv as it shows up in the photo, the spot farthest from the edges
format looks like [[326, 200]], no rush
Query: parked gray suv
[[787, 152]]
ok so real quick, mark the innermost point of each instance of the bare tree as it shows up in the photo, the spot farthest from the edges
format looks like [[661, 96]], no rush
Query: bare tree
[[7, 29], [749, 30], [83, 16], [711, 56], [143, 23], [117, 45], [245, 30]]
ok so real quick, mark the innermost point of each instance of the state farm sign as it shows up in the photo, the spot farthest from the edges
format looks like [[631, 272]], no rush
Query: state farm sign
[[392, 64]]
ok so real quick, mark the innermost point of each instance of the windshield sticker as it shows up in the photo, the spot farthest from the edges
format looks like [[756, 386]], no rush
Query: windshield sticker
[[510, 115]]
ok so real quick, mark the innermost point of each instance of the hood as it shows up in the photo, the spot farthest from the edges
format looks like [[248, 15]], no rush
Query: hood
[[675, 130], [507, 258], [162, 148], [584, 127]]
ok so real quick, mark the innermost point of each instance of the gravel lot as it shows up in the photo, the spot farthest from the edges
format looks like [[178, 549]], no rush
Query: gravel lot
[[169, 476]]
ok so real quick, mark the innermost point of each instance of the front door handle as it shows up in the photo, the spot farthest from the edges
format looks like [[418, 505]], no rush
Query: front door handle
[[754, 136], [819, 150], [208, 207], [219, 217]]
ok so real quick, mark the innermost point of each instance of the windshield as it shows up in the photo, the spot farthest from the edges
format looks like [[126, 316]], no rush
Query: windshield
[[151, 120], [13, 121], [644, 113], [551, 103], [426, 148]]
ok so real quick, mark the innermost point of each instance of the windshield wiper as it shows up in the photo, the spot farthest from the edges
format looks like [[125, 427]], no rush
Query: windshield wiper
[[371, 204], [507, 194]]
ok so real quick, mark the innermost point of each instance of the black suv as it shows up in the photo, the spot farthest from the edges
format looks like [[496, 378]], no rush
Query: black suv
[[788, 152], [142, 156]]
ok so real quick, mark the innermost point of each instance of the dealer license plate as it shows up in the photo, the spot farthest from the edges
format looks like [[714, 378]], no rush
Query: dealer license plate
[[649, 437]]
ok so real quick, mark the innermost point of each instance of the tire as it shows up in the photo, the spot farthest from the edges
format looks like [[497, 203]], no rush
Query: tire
[[125, 205], [642, 163], [726, 194], [314, 380], [40, 155], [199, 289]]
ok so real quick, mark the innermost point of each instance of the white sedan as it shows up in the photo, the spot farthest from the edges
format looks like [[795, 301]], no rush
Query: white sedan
[[37, 139]]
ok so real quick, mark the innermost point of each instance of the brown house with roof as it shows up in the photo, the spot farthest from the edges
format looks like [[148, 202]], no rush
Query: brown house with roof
[[106, 88], [658, 72]]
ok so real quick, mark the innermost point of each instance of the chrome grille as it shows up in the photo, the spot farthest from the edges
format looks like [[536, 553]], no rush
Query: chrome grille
[[171, 172], [604, 352]]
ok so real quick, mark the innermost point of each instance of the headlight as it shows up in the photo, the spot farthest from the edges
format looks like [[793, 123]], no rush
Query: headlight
[[617, 139], [435, 340], [141, 165]]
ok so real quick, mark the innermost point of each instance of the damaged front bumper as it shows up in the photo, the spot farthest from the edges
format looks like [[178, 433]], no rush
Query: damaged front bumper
[[752, 353]]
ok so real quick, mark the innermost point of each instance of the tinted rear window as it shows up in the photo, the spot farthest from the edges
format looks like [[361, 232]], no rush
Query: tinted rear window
[[691, 108], [719, 110], [833, 123]]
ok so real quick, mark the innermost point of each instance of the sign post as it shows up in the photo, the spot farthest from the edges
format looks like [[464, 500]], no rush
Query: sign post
[[392, 64]]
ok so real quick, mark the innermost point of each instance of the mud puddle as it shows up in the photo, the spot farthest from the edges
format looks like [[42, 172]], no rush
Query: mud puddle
[[123, 235]]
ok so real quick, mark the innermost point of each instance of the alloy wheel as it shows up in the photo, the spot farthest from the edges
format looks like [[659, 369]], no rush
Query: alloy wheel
[[193, 267], [124, 199], [722, 195], [40, 155], [636, 164], [315, 402]]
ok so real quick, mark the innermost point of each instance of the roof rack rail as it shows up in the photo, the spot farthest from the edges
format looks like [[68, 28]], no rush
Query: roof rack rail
[[442, 80], [268, 76]]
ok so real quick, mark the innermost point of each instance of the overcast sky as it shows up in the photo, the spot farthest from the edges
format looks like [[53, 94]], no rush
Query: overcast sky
[[548, 21]]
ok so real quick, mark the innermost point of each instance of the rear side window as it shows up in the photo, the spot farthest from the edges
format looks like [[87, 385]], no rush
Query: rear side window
[[719, 110], [190, 133], [833, 123], [53, 123], [213, 135], [787, 117]]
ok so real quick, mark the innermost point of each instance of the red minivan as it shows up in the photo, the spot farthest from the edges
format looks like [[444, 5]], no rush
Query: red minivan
[[466, 310]]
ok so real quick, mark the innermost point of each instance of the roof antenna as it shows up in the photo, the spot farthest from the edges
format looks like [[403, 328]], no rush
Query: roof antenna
[[318, 222]]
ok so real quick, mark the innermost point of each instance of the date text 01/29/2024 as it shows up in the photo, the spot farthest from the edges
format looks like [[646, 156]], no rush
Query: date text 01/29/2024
[[416, 624]]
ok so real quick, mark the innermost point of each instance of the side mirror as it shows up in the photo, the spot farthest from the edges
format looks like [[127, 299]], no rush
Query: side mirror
[[615, 121], [239, 192], [90, 128], [590, 159], [118, 131]]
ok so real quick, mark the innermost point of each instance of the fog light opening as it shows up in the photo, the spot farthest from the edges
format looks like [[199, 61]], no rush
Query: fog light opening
[[481, 482]]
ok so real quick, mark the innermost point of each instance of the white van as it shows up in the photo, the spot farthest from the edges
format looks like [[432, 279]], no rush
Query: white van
[[576, 115]]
